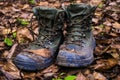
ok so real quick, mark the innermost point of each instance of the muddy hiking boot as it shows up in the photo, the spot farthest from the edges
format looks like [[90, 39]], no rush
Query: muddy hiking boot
[[77, 49], [40, 53]]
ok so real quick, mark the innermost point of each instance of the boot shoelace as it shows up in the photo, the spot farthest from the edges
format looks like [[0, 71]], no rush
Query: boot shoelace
[[76, 36], [51, 32]]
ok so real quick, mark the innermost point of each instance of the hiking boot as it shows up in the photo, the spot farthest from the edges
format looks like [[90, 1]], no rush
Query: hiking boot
[[77, 49], [40, 53]]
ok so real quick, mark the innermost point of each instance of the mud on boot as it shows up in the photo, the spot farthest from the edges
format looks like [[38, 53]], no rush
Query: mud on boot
[[77, 49], [40, 53]]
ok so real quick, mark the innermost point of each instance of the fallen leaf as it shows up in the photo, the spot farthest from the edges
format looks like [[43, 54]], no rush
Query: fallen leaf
[[15, 9], [119, 62], [41, 52], [43, 3], [98, 14], [113, 34], [5, 31], [95, 20], [29, 75], [25, 6], [10, 71], [23, 34], [2, 45], [24, 15], [48, 74], [112, 3], [114, 52], [99, 76], [57, 4], [5, 54], [116, 25], [51, 1], [118, 1], [87, 71], [80, 76], [51, 70], [107, 23], [104, 64], [90, 77], [97, 30], [118, 77], [107, 29], [95, 2]]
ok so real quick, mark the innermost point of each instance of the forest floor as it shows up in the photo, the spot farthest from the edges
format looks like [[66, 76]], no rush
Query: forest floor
[[15, 21]]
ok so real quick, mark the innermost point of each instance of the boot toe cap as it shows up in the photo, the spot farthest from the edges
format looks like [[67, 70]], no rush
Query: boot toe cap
[[71, 59], [28, 63]]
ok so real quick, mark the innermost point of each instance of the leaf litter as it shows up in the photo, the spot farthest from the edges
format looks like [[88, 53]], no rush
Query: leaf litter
[[106, 29]]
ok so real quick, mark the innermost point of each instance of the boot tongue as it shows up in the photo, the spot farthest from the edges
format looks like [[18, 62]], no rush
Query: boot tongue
[[45, 12], [80, 9]]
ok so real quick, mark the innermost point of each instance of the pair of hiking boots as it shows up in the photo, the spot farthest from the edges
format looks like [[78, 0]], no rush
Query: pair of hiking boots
[[74, 49]]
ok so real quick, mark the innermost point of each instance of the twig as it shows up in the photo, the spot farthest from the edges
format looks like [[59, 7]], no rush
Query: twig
[[12, 50], [105, 49]]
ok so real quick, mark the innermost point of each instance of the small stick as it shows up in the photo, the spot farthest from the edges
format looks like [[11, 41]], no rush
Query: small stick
[[105, 49], [12, 50]]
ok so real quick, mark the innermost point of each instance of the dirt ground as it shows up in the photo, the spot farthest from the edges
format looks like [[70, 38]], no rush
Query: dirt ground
[[15, 34]]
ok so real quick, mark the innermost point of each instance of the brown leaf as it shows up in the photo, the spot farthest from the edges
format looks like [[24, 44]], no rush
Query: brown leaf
[[104, 64], [5, 31], [113, 34], [116, 25], [10, 71], [95, 20], [95, 2], [87, 71], [107, 23], [104, 41], [107, 29], [117, 46], [114, 53], [80, 76], [15, 9], [48, 74], [52, 68], [119, 62], [50, 71], [5, 54], [99, 76], [23, 34], [98, 14], [51, 1], [117, 78], [24, 15], [41, 52], [112, 3], [25, 6], [43, 3], [29, 75], [2, 45], [57, 4], [90, 77], [97, 30]]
